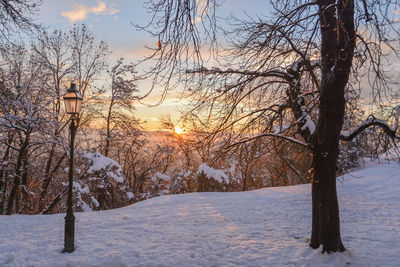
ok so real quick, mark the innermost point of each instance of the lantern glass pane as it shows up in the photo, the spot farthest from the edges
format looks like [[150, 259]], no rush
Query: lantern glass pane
[[78, 105], [73, 102], [67, 106]]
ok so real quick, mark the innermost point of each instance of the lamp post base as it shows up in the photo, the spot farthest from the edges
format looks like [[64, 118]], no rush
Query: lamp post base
[[69, 233]]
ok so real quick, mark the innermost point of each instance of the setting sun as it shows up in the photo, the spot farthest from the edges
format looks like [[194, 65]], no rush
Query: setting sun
[[179, 130]]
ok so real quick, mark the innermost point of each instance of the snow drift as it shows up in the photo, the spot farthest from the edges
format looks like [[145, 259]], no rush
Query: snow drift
[[267, 227]]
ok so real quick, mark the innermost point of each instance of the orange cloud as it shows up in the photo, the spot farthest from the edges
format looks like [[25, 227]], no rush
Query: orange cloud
[[80, 12]]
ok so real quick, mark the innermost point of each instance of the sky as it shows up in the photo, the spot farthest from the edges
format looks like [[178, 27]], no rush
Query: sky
[[112, 21]]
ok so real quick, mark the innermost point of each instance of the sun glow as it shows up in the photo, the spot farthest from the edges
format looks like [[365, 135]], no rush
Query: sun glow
[[179, 130]]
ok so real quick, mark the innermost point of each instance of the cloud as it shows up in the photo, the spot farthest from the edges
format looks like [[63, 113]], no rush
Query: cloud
[[100, 8], [80, 12]]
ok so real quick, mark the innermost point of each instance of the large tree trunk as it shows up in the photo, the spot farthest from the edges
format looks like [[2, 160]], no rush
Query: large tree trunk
[[48, 180], [338, 42], [108, 129], [3, 176], [24, 193], [49, 209], [326, 224], [15, 190], [47, 176]]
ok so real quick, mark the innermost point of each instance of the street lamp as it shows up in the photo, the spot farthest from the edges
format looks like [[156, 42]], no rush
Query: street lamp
[[73, 105]]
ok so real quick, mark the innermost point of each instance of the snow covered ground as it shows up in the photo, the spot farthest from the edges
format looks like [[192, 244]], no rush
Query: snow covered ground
[[268, 227]]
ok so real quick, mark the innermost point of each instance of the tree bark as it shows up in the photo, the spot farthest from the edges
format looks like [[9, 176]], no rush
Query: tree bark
[[108, 128], [14, 194], [48, 179], [338, 42], [3, 176], [55, 201], [47, 176]]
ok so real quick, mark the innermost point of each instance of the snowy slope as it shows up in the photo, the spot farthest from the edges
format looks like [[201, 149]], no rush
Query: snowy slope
[[267, 227]]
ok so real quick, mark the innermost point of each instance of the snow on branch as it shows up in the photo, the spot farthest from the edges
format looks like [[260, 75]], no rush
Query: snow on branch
[[211, 173], [297, 101], [307, 124], [99, 162], [370, 121]]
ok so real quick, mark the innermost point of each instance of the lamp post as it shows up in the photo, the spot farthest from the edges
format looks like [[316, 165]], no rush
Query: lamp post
[[73, 105]]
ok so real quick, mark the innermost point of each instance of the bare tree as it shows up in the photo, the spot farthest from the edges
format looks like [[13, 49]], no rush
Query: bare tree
[[285, 75], [77, 56], [23, 115], [88, 61], [16, 15], [119, 100], [89, 57], [33, 120], [51, 51]]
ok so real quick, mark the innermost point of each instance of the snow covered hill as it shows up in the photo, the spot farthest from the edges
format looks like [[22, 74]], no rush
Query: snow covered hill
[[267, 227]]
